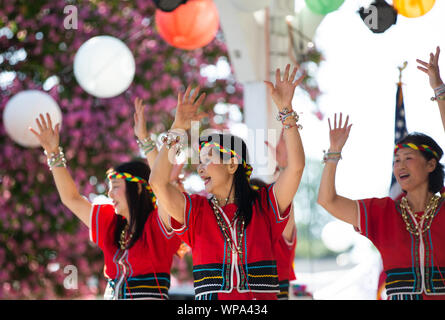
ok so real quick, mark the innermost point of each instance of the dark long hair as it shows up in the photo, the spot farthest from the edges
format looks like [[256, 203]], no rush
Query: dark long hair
[[436, 177], [245, 195], [140, 205]]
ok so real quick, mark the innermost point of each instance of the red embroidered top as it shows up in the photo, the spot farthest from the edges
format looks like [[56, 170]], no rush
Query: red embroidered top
[[414, 265], [285, 254], [220, 273], [142, 271]]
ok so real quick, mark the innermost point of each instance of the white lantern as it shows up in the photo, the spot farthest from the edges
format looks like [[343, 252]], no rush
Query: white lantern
[[306, 22], [251, 5], [338, 236], [22, 110], [104, 66]]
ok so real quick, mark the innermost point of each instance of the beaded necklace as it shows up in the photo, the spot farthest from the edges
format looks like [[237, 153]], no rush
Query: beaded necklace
[[124, 239], [226, 230], [226, 227], [427, 216]]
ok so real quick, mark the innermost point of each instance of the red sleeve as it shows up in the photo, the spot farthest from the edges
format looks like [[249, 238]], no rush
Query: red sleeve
[[292, 245], [172, 240], [101, 220], [285, 254], [193, 206], [371, 216], [278, 220]]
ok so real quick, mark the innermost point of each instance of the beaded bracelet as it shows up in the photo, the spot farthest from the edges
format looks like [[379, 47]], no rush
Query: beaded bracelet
[[439, 93], [441, 97], [56, 159], [440, 89], [331, 156], [285, 114], [172, 139], [288, 126], [146, 145]]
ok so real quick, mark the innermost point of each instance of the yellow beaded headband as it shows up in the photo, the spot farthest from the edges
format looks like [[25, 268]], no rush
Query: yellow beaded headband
[[422, 147], [220, 148], [131, 178], [231, 152]]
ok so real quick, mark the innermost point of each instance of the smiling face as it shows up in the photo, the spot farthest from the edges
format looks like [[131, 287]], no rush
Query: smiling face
[[217, 175], [411, 169], [116, 192]]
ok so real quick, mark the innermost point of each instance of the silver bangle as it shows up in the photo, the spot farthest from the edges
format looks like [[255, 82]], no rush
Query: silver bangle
[[331, 156], [173, 138], [56, 159], [146, 145]]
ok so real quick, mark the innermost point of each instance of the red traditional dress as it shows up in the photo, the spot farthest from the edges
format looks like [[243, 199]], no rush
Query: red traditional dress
[[285, 254], [414, 264], [249, 270], [142, 271]]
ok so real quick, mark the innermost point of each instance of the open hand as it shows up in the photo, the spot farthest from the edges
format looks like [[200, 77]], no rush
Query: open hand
[[187, 109], [47, 136], [283, 90], [339, 134], [432, 69]]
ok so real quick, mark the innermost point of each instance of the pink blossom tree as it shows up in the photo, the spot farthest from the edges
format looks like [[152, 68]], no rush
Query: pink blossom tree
[[39, 237]]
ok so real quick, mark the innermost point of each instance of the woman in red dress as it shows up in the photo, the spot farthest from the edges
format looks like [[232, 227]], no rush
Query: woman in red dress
[[138, 248], [407, 231], [231, 234]]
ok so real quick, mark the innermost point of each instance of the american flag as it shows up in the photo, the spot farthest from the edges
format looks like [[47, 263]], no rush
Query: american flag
[[400, 132]]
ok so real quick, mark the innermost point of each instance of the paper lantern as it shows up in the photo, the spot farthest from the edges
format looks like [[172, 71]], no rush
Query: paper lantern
[[191, 26], [168, 5], [338, 236], [22, 110], [323, 6], [379, 16], [104, 66], [307, 22], [413, 8], [250, 5]]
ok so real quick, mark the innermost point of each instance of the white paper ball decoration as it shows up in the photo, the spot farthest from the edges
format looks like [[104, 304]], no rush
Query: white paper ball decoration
[[22, 110], [251, 5], [338, 235], [104, 66]]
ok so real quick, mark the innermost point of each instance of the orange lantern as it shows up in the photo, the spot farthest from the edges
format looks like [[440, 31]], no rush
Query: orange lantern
[[413, 8], [192, 25]]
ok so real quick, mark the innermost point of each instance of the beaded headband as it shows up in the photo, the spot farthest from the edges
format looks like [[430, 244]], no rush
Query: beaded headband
[[221, 149], [131, 178], [422, 147]]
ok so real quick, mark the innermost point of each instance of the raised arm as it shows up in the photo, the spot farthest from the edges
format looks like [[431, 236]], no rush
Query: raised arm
[[289, 179], [147, 146], [432, 70], [280, 153], [149, 149], [340, 207], [69, 195], [169, 196]]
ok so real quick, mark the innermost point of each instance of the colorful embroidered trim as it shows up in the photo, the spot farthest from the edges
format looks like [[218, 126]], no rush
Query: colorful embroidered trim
[[409, 280], [284, 290], [151, 286], [129, 177], [220, 148], [262, 276], [422, 147]]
